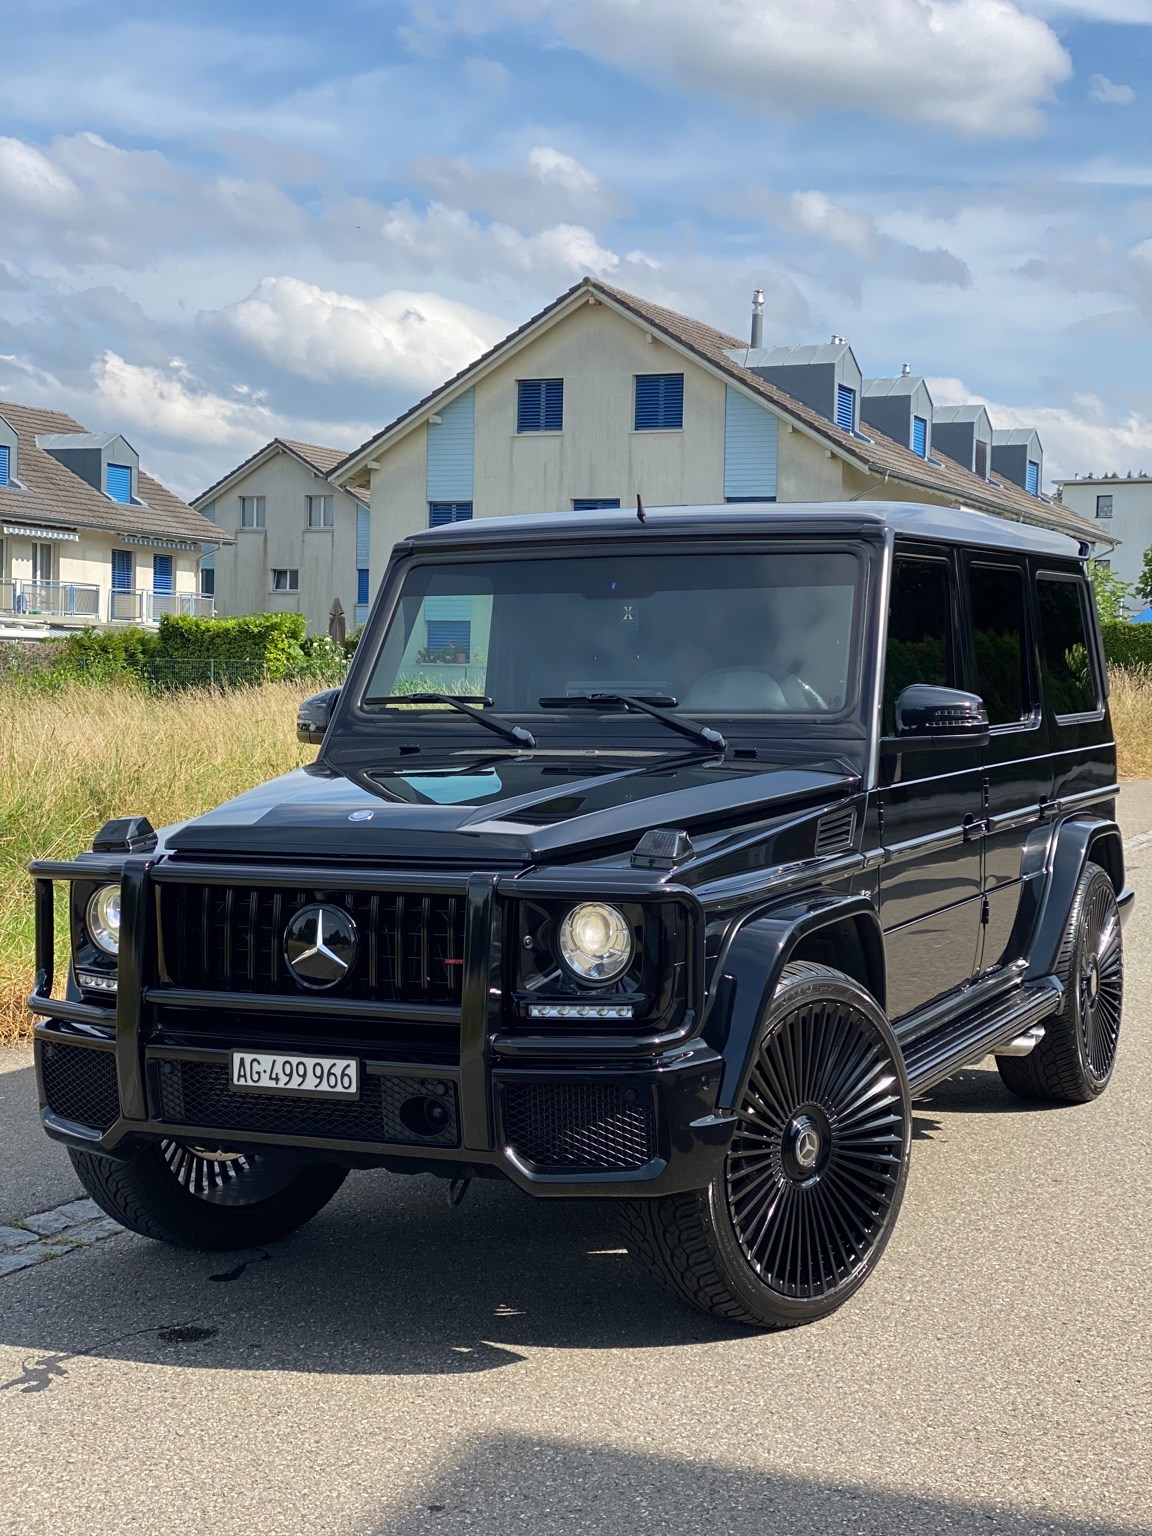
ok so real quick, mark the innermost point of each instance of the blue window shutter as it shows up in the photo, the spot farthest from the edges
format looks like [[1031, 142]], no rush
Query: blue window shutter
[[362, 585], [594, 503], [920, 436], [363, 537], [659, 402], [450, 450], [118, 483], [845, 408], [540, 405], [441, 512], [3, 464], [449, 634], [208, 581], [121, 570], [750, 448], [1032, 478], [161, 573]]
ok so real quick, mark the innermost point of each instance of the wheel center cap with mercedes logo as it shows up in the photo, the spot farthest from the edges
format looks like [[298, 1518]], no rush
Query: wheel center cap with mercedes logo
[[320, 945]]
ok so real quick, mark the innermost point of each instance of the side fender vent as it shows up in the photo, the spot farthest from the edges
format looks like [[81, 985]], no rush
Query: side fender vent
[[834, 832]]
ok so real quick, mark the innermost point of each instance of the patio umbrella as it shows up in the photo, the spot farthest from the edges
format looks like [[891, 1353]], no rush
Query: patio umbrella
[[1143, 618], [337, 627]]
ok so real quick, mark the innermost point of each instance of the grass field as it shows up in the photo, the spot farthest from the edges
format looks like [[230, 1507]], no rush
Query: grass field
[[71, 760]]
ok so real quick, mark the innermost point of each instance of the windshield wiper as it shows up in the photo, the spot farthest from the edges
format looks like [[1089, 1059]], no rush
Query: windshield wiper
[[658, 706], [510, 732]]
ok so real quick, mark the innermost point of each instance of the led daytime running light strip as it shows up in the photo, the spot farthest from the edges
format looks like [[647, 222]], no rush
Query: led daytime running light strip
[[580, 1010], [96, 983]]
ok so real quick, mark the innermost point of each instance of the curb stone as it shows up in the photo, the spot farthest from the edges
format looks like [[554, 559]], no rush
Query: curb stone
[[51, 1234]]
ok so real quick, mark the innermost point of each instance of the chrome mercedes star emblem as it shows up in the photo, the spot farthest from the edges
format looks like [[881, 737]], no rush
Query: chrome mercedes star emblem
[[320, 945], [361, 815], [807, 1147]]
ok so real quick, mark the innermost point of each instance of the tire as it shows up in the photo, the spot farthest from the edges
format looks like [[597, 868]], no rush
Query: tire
[[799, 1214], [1073, 1062], [211, 1199]]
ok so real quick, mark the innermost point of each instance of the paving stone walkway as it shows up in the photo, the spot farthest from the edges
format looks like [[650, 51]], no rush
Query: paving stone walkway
[[51, 1234]]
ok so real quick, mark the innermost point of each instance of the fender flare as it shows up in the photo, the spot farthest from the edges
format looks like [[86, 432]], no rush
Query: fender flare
[[1073, 844], [748, 970]]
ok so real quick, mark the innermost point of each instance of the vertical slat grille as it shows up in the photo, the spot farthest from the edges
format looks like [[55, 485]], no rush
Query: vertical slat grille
[[410, 946]]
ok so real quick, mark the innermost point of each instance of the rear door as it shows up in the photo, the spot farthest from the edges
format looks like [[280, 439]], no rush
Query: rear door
[[1004, 672], [1083, 758], [930, 882]]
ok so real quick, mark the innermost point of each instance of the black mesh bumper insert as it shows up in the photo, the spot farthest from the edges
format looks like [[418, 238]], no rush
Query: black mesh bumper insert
[[198, 1093], [563, 1126], [80, 1084]]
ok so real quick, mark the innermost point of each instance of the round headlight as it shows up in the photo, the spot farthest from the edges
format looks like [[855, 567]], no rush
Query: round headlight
[[596, 942], [104, 919]]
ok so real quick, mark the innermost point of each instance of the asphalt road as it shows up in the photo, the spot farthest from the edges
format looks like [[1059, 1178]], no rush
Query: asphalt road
[[401, 1368]]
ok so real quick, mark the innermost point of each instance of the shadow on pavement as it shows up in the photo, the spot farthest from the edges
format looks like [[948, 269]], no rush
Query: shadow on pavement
[[508, 1484], [979, 1091]]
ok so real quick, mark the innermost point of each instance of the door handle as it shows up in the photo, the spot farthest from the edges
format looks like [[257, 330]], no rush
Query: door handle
[[975, 826]]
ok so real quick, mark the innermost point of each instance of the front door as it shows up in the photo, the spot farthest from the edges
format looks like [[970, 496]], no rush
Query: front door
[[930, 881], [1016, 758]]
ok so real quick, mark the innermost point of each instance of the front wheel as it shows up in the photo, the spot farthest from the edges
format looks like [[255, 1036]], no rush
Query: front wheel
[[208, 1197], [800, 1212]]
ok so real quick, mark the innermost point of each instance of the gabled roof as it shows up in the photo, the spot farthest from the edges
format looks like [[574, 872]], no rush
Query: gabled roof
[[903, 384], [873, 453], [790, 357], [48, 494], [321, 461], [52, 440], [947, 414], [1015, 437]]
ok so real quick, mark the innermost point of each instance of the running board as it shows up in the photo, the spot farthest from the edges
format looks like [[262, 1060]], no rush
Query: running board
[[972, 1036]]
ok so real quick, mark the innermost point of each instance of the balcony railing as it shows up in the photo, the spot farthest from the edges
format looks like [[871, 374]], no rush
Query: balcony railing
[[50, 599], [145, 607]]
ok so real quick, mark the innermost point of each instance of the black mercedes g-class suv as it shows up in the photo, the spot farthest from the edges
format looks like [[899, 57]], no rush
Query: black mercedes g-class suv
[[656, 861]]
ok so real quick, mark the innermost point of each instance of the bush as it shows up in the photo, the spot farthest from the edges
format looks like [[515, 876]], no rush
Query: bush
[[271, 639], [1128, 645]]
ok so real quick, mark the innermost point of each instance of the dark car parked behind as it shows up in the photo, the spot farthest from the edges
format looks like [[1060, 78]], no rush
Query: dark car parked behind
[[658, 862]]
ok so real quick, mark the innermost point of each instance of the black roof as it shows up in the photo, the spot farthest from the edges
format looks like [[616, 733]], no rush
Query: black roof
[[874, 519]]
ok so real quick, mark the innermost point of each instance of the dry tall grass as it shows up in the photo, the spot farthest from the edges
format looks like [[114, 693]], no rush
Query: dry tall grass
[[71, 760]]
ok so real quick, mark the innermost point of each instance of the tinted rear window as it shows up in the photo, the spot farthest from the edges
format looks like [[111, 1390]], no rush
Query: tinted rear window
[[1065, 646]]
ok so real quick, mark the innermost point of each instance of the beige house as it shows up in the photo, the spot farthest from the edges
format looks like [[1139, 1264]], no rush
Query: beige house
[[296, 541], [603, 396], [1121, 506], [86, 537]]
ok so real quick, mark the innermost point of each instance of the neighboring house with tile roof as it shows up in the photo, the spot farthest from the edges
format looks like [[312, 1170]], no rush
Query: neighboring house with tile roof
[[603, 396], [297, 540], [86, 536]]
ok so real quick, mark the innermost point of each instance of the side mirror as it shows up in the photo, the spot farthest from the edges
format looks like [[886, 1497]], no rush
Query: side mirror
[[314, 715], [928, 717]]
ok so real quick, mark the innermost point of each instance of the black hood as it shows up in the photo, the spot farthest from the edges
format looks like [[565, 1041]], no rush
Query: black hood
[[500, 809]]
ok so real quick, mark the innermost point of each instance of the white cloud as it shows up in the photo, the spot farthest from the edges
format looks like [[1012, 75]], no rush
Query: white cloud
[[29, 182], [487, 74], [1137, 11], [549, 187], [1079, 437], [171, 404], [414, 340], [1108, 93], [980, 67]]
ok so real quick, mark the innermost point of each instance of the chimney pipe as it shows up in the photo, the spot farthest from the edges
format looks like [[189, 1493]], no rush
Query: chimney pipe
[[758, 318], [905, 371]]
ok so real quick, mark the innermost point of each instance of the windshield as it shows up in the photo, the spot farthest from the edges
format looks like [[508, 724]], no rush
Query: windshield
[[766, 633]]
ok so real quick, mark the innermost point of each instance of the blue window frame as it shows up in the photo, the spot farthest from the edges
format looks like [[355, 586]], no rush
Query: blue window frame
[[121, 570], [845, 407], [3, 463], [659, 402], [118, 483], [594, 503], [208, 581], [161, 573], [540, 405], [441, 512], [362, 586], [451, 635], [1032, 478], [920, 436]]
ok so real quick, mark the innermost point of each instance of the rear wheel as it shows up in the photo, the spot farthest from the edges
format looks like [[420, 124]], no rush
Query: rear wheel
[[799, 1214], [1073, 1062], [208, 1197]]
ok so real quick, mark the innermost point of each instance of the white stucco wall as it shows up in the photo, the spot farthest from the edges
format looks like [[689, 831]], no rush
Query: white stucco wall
[[324, 557], [1131, 520]]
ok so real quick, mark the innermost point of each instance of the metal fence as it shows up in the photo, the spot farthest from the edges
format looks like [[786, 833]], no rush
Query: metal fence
[[166, 674]]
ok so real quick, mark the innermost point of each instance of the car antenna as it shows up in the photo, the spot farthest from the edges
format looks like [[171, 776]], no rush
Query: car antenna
[[640, 514]]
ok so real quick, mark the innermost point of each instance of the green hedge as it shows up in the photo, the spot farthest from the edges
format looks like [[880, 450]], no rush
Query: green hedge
[[1128, 645], [270, 639]]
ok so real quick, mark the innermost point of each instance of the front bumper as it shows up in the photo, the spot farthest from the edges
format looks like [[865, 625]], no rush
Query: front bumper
[[599, 1121]]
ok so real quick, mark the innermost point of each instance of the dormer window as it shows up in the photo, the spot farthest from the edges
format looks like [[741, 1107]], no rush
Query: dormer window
[[118, 483], [9, 446], [4, 458], [845, 408], [1032, 480], [920, 436]]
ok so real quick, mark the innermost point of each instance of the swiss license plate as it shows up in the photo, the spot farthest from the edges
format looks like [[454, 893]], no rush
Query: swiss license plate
[[315, 1077]]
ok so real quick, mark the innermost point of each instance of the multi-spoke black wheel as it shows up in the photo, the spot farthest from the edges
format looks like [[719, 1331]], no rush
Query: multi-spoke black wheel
[[1073, 1062], [811, 1187], [208, 1197]]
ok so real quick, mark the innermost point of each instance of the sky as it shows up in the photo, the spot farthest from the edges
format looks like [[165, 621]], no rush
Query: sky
[[223, 222]]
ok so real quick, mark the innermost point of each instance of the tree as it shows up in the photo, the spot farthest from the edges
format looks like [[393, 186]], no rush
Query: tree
[[1144, 580], [1111, 593]]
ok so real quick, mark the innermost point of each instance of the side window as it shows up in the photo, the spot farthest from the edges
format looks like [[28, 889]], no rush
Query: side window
[[921, 635], [1064, 642], [999, 632]]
